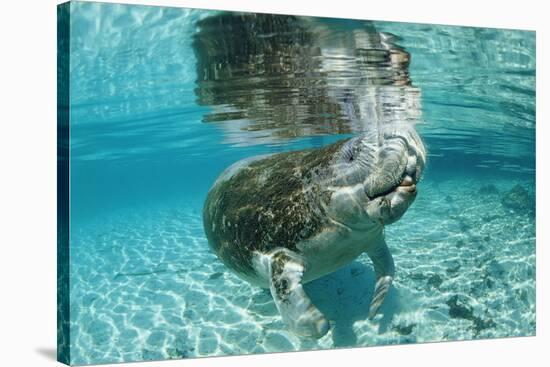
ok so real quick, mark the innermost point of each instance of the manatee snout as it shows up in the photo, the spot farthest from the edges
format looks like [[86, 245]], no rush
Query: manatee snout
[[391, 187], [400, 158]]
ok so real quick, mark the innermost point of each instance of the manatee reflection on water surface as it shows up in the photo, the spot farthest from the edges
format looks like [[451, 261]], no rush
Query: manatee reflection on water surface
[[275, 77]]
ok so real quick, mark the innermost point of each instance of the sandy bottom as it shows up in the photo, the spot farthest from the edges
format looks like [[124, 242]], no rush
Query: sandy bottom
[[145, 286]]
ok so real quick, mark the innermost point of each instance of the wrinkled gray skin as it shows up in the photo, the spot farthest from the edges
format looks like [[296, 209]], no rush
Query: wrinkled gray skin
[[282, 220]]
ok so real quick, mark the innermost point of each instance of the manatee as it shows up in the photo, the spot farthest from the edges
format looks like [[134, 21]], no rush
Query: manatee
[[281, 220]]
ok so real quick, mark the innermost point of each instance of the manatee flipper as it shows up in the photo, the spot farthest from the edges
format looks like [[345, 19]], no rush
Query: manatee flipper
[[384, 268], [286, 270]]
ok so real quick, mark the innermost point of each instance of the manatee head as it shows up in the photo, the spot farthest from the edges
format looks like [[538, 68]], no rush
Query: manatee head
[[374, 177]]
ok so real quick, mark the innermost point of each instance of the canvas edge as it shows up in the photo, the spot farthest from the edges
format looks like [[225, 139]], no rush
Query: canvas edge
[[63, 262]]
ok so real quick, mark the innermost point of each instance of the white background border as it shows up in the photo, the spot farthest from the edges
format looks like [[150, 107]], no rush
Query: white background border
[[28, 182]]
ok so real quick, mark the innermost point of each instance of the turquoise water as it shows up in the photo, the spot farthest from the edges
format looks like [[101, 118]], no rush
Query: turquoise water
[[163, 99]]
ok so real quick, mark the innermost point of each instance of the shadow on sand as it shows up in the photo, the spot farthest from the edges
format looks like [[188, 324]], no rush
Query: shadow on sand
[[344, 297]]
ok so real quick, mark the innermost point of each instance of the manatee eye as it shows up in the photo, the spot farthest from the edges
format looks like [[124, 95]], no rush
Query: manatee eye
[[349, 155]]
